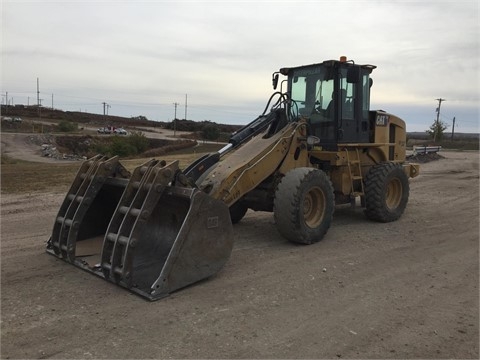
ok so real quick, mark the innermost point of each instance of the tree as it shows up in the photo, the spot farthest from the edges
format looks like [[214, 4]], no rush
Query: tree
[[437, 129]]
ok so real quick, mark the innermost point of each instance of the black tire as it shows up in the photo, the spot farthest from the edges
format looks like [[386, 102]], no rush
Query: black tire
[[386, 192], [237, 212], [304, 205]]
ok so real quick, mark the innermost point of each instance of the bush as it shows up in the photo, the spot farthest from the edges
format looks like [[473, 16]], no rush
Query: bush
[[138, 141], [210, 132], [178, 145], [67, 126], [102, 148], [122, 147]]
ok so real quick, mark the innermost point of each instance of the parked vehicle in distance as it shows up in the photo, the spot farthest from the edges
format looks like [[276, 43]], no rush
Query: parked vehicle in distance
[[120, 131], [104, 130], [12, 120]]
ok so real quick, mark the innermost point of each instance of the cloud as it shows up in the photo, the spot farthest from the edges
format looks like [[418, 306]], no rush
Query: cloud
[[222, 53]]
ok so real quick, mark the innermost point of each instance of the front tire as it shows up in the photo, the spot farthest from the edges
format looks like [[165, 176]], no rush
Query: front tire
[[237, 212], [386, 192], [304, 205]]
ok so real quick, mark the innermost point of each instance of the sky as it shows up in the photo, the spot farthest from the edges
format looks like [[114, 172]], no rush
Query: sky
[[143, 57]]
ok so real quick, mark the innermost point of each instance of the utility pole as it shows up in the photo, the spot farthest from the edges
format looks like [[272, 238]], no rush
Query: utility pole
[[437, 121], [40, 107], [185, 106], [6, 101], [175, 120], [453, 127], [38, 99], [38, 93], [52, 101], [104, 108]]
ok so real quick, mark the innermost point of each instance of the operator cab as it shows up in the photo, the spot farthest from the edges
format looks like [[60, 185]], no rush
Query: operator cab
[[334, 97]]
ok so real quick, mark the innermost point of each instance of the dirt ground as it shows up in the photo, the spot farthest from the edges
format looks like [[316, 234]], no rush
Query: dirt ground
[[18, 146], [407, 289]]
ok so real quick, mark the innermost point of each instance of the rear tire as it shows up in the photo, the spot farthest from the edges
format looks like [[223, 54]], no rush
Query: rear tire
[[304, 205], [386, 192]]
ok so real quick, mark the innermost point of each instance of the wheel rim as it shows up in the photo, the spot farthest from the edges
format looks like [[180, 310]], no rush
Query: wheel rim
[[393, 196], [314, 207]]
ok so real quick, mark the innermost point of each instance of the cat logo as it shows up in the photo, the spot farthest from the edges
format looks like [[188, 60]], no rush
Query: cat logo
[[382, 120]]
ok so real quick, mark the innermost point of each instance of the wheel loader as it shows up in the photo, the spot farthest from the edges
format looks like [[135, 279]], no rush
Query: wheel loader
[[316, 145]]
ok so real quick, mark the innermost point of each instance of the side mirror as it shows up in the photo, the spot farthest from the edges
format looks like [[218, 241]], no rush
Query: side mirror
[[353, 74], [275, 81]]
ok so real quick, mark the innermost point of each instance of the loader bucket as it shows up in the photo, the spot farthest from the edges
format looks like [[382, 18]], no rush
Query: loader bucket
[[142, 233]]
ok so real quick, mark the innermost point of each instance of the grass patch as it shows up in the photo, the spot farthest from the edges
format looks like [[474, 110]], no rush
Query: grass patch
[[18, 176], [26, 177], [8, 160]]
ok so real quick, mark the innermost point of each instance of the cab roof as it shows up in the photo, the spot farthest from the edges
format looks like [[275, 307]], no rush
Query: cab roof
[[330, 63]]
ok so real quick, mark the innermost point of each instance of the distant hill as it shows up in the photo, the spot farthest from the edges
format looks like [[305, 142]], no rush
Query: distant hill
[[55, 114], [104, 120], [180, 124], [447, 135]]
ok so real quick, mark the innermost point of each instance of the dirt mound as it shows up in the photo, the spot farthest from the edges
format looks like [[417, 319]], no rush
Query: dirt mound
[[424, 158]]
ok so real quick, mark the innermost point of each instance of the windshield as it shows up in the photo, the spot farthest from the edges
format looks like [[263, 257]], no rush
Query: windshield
[[311, 90]]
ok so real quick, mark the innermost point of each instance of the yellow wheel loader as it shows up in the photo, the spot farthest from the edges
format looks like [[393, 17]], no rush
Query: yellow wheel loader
[[317, 144]]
